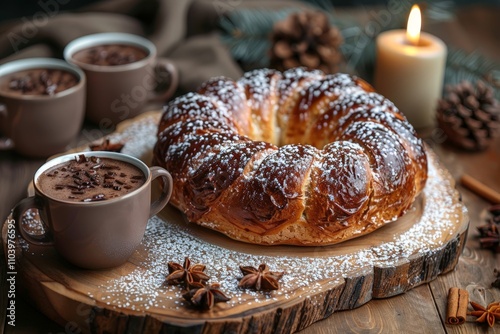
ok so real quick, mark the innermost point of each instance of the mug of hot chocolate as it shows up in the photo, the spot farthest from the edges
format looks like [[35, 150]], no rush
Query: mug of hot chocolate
[[123, 75], [42, 105], [94, 206]]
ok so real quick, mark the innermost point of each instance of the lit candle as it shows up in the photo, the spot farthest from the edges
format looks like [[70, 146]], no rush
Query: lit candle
[[409, 70]]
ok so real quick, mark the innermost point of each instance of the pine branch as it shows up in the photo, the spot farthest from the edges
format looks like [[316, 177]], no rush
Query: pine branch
[[325, 5], [359, 46], [471, 67], [440, 10], [246, 33]]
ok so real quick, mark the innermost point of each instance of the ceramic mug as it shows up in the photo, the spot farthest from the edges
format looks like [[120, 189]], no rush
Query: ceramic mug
[[40, 125], [118, 92], [96, 234]]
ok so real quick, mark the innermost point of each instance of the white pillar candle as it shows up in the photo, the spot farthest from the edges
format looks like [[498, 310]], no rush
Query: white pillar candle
[[409, 71]]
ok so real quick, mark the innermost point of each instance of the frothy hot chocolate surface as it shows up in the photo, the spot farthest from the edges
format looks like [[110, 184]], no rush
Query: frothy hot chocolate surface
[[90, 179], [110, 55], [38, 82]]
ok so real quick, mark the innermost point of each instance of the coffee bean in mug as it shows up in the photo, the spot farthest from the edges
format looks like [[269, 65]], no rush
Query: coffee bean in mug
[[42, 105], [94, 206], [122, 75]]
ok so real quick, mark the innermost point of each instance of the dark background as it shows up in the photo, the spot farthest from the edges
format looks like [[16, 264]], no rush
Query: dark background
[[11, 9]]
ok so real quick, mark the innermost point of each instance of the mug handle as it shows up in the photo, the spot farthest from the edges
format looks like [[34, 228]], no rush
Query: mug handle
[[5, 143], [162, 69], [33, 202], [166, 191]]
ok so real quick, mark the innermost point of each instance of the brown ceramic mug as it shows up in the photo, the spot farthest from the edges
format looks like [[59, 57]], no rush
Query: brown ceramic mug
[[119, 90], [94, 234], [39, 124]]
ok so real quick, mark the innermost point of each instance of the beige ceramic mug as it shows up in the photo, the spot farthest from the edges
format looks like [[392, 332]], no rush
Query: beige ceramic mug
[[40, 123], [93, 234], [117, 91]]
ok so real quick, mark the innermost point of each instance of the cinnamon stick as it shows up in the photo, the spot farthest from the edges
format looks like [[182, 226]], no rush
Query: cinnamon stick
[[480, 188], [458, 299]]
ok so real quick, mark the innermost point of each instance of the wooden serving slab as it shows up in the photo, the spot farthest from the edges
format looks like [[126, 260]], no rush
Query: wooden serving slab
[[318, 281]]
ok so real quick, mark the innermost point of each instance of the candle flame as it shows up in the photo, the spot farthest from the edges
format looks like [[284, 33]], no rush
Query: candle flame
[[414, 25]]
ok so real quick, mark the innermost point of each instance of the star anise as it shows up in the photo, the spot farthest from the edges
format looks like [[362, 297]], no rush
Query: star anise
[[495, 210], [107, 146], [186, 273], [259, 279], [490, 235], [489, 314], [205, 296], [496, 282]]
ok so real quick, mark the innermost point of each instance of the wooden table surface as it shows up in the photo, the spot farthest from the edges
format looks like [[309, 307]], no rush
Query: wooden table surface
[[420, 310]]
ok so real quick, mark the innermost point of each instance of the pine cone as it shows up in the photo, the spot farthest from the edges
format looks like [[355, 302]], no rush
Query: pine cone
[[469, 117], [306, 39]]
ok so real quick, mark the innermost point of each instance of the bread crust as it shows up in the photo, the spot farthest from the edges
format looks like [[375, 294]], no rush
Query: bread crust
[[299, 157]]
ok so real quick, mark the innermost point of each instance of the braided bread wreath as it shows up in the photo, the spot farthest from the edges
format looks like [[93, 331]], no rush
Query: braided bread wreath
[[299, 157]]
